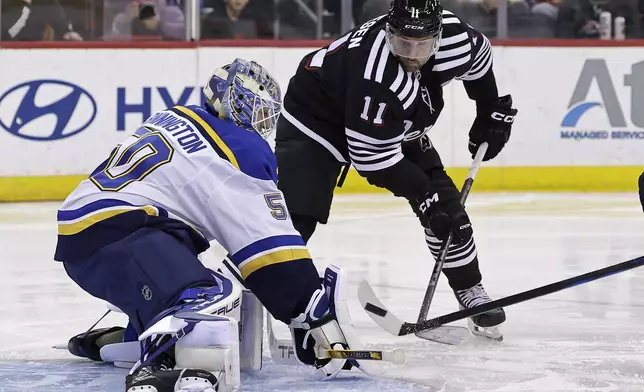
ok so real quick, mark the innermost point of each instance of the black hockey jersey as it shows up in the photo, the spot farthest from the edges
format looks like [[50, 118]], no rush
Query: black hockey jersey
[[355, 99]]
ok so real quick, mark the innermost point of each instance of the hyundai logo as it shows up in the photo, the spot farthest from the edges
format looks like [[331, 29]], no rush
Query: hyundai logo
[[46, 110]]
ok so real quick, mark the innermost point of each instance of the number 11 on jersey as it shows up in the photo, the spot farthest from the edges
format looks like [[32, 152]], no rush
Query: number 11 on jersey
[[367, 107]]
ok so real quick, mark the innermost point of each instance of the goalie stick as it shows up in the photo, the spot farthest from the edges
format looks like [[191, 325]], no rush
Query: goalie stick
[[392, 324]]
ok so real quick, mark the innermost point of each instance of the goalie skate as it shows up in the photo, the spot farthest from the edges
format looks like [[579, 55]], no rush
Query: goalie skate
[[486, 324]]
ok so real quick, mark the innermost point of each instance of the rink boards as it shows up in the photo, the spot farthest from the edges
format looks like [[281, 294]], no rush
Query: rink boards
[[580, 125]]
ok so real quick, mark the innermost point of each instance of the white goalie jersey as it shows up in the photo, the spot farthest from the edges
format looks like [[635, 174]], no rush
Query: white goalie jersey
[[185, 165]]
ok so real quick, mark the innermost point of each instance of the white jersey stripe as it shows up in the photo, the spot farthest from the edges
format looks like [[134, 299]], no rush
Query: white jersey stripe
[[481, 61], [335, 44], [443, 54], [405, 91], [485, 46], [371, 140], [455, 39], [452, 64], [399, 78], [451, 20], [364, 154], [375, 49], [382, 63], [357, 158], [381, 165], [481, 58], [459, 263], [355, 144], [478, 74], [318, 59], [412, 97]]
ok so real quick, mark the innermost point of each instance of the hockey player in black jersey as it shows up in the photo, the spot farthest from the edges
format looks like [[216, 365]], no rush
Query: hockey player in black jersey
[[369, 99]]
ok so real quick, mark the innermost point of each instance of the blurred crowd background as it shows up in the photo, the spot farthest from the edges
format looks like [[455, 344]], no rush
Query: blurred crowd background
[[106, 20]]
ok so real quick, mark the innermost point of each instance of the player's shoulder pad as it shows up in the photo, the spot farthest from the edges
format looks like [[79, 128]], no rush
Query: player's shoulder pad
[[375, 69], [253, 154]]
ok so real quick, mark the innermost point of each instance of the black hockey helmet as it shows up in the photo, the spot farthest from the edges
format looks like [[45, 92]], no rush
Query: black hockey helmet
[[414, 30], [416, 18]]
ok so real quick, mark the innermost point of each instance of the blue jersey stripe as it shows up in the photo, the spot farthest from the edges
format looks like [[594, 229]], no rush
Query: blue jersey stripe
[[67, 215], [266, 244]]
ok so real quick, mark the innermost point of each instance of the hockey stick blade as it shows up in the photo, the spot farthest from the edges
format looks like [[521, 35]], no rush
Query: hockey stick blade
[[451, 335], [392, 324], [377, 310]]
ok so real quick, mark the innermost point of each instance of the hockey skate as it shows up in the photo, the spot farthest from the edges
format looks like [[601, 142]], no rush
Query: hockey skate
[[485, 324], [161, 376]]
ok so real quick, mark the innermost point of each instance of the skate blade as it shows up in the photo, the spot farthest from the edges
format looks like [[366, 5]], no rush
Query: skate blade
[[491, 333]]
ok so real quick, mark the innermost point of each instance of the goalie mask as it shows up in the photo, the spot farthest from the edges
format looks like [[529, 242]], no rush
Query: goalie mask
[[414, 30], [244, 93]]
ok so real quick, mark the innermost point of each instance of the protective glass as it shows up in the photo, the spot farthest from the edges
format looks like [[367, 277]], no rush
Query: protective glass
[[412, 48]]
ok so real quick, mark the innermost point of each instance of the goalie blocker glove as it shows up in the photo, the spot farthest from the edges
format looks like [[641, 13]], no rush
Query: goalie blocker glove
[[326, 324], [493, 124], [440, 211]]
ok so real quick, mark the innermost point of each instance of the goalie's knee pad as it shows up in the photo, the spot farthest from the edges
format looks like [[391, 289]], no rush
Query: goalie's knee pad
[[325, 324]]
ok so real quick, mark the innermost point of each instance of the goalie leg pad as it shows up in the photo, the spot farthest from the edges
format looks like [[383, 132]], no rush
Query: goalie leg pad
[[212, 346], [252, 332]]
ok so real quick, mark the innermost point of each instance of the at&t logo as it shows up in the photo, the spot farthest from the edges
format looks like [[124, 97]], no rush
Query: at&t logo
[[595, 73], [46, 110]]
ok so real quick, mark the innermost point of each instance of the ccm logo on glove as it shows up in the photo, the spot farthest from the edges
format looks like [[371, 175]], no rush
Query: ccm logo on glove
[[427, 203], [493, 124], [508, 118]]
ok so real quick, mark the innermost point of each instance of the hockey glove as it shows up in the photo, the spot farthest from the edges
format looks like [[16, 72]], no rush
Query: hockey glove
[[440, 210], [493, 124], [317, 329], [326, 324]]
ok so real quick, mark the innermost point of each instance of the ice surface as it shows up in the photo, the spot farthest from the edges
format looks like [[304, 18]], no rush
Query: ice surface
[[589, 338]]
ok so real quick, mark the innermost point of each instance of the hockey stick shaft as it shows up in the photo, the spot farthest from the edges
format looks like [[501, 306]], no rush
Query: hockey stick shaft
[[438, 267], [396, 356], [408, 328]]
